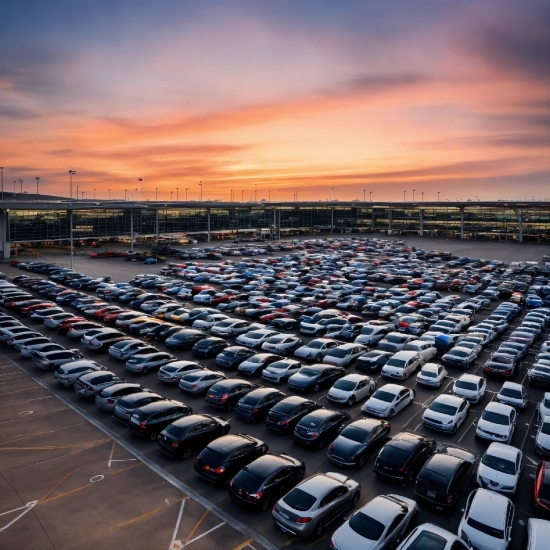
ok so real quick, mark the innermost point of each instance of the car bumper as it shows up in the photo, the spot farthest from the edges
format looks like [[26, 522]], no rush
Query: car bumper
[[446, 428], [375, 412], [341, 461], [490, 436], [292, 528]]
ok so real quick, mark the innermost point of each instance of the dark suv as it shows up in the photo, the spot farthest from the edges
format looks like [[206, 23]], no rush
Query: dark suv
[[227, 393], [284, 416], [319, 427], [149, 420]]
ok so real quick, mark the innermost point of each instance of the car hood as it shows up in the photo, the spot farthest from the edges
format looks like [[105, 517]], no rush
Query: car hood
[[300, 379], [339, 393], [494, 428], [346, 537], [433, 415], [481, 541], [378, 404], [543, 440], [499, 477]]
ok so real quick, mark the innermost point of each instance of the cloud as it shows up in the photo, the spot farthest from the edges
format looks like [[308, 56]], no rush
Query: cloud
[[18, 113]]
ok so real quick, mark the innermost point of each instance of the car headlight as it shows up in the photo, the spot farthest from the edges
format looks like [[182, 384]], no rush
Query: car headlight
[[450, 421]]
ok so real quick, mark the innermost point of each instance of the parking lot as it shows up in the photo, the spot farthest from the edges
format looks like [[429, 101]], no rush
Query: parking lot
[[72, 476]]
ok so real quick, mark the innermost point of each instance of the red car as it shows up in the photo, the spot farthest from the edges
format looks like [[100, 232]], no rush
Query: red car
[[64, 326], [43, 305], [326, 303], [220, 298], [111, 317], [100, 314], [541, 489], [273, 315], [104, 254], [200, 288]]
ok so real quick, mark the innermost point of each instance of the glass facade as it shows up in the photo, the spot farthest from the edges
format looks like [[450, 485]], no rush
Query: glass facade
[[494, 221]]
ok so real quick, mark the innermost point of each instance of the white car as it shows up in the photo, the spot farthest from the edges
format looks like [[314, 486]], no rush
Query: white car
[[145, 362], [254, 338], [446, 413], [27, 350], [471, 387], [281, 371], [425, 349], [7, 333], [372, 334], [512, 394], [487, 520], [173, 372], [351, 388], [500, 468], [68, 373], [31, 341], [431, 374], [497, 423], [429, 535], [344, 355], [204, 296], [282, 344], [22, 337], [544, 405], [51, 321], [402, 364], [316, 349], [200, 381], [542, 439], [388, 400], [185, 293], [229, 327], [210, 321]]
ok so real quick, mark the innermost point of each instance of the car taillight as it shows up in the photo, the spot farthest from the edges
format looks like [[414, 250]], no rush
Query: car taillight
[[303, 520], [194, 386], [174, 445], [142, 425], [450, 498], [313, 435], [507, 372], [284, 422], [403, 468], [255, 410], [84, 387], [110, 401], [331, 544], [219, 470], [224, 397], [255, 496], [275, 508], [330, 447]]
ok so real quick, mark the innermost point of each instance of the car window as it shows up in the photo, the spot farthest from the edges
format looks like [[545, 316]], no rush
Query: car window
[[332, 495], [458, 545], [396, 522]]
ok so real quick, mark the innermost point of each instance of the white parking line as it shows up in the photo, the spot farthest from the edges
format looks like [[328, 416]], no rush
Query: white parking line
[[204, 534], [26, 401], [527, 431], [466, 430]]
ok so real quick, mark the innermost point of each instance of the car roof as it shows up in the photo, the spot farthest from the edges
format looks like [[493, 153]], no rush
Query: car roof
[[503, 451], [443, 464], [512, 385], [158, 406], [489, 508], [403, 355], [355, 377], [382, 508], [268, 464], [453, 400], [493, 406], [230, 442], [318, 484]]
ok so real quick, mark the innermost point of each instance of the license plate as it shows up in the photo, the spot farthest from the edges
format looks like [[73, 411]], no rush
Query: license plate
[[207, 467], [431, 494], [211, 395], [134, 421]]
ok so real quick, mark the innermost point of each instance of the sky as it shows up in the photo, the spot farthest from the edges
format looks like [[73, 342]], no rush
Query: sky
[[308, 99]]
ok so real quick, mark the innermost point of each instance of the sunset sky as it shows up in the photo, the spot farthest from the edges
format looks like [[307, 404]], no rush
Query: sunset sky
[[280, 96]]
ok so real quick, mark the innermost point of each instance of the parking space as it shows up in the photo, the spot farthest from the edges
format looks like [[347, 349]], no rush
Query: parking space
[[53, 444]]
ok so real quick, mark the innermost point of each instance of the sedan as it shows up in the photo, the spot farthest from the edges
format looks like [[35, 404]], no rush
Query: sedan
[[68, 373], [233, 356], [220, 460], [258, 485], [501, 364], [174, 371], [226, 393], [103, 339], [388, 400], [199, 381], [253, 365], [31, 342], [282, 344], [431, 375], [357, 441], [319, 427], [53, 321], [284, 416], [444, 476], [107, 398], [124, 349], [344, 355], [281, 370], [90, 384], [145, 362], [256, 404], [402, 365], [404, 455], [229, 327], [50, 360], [315, 503], [500, 468], [149, 420], [27, 350], [497, 423], [316, 349], [191, 433], [460, 357], [351, 388], [184, 339], [77, 330], [487, 520], [378, 525], [512, 394], [254, 338], [315, 377], [470, 387], [125, 406], [209, 347], [446, 413], [373, 361]]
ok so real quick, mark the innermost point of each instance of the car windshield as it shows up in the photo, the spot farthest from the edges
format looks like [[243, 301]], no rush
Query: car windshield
[[394, 339], [366, 331], [211, 457], [393, 362], [315, 344], [429, 374], [299, 500], [279, 365], [458, 353], [223, 324], [510, 392], [501, 359], [345, 385], [488, 530], [545, 428], [355, 434], [308, 372], [247, 481], [385, 396], [175, 431], [426, 540], [500, 464], [366, 527], [443, 408], [340, 353], [495, 418], [255, 359], [465, 385], [284, 407]]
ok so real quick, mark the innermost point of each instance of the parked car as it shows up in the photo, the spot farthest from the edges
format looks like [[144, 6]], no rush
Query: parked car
[[388, 400], [497, 423], [256, 404], [107, 398], [285, 415], [373, 361], [351, 388], [281, 370], [233, 356], [320, 427], [199, 381], [431, 374], [68, 373], [173, 372], [512, 394], [150, 420], [90, 384], [446, 413], [316, 349], [428, 534], [145, 362], [402, 365], [226, 393], [470, 387], [315, 377], [125, 406]]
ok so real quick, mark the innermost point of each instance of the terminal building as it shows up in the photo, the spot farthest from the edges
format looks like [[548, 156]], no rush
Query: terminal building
[[24, 222]]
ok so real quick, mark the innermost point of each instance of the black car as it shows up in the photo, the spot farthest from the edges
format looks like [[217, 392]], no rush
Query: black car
[[149, 420], [315, 377], [284, 324], [260, 484], [444, 476], [233, 356], [125, 406], [500, 364], [154, 332], [284, 416], [225, 456], [165, 331], [256, 404], [403, 456], [226, 394], [198, 314], [184, 339], [319, 427], [357, 441], [209, 347], [373, 361], [191, 433]]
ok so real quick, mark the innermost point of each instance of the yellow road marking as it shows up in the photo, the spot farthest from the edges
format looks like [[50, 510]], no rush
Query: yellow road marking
[[50, 447], [124, 469], [54, 488], [196, 526], [290, 540], [241, 546], [130, 521], [318, 540], [67, 493]]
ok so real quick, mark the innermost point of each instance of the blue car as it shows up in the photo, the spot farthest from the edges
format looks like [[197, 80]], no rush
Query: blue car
[[533, 301], [471, 289]]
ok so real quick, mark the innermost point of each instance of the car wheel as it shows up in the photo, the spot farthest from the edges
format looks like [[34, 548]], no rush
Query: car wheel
[[410, 476], [299, 476], [391, 414], [265, 505], [316, 387], [153, 436], [226, 430], [351, 401], [319, 358], [454, 430], [145, 370], [361, 461], [186, 454], [319, 333], [321, 443], [319, 528]]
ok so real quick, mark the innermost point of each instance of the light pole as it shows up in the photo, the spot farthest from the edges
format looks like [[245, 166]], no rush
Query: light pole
[[2, 176], [125, 192], [186, 194], [21, 183], [404, 194], [171, 196], [370, 196], [37, 178], [71, 174], [296, 196], [177, 194], [413, 194], [364, 195], [422, 196], [156, 194], [242, 195], [255, 192], [82, 195], [77, 193], [109, 193], [141, 189], [332, 193], [438, 196], [14, 182], [136, 193], [94, 194], [200, 183]]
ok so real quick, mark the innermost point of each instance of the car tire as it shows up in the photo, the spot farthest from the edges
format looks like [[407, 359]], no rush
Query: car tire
[[186, 454], [351, 401], [316, 387], [409, 477], [321, 443], [229, 407], [361, 461], [319, 529], [265, 506], [319, 358], [153, 436], [391, 414], [145, 370], [454, 430], [226, 430]]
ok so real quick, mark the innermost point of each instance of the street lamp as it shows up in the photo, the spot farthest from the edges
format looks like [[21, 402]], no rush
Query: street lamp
[[370, 196], [269, 195], [422, 196], [156, 194], [141, 189], [71, 174], [364, 197], [94, 194], [186, 194], [177, 194], [331, 193], [200, 183], [37, 178], [413, 194], [438, 196], [82, 195], [404, 194], [77, 193], [255, 192], [21, 183], [125, 194]]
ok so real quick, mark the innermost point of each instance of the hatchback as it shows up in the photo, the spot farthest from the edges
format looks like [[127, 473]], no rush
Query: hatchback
[[125, 406], [446, 413], [351, 388], [500, 468], [319, 427], [90, 384], [107, 398], [256, 404], [497, 423], [286, 414], [173, 372], [145, 362], [150, 420], [226, 393], [68, 373], [50, 360], [200, 381]]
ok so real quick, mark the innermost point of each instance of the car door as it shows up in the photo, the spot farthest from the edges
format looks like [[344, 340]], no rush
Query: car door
[[462, 412], [396, 529], [362, 389], [402, 400]]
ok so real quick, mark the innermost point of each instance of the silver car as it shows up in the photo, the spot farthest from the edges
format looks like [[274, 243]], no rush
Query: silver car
[[90, 384], [315, 503], [174, 371], [68, 373], [29, 342], [107, 398], [145, 362], [316, 349], [200, 381], [378, 525], [22, 337], [51, 321], [28, 349], [229, 327], [254, 338], [282, 344], [78, 330], [125, 348], [344, 355], [281, 371], [7, 333], [49, 360]]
